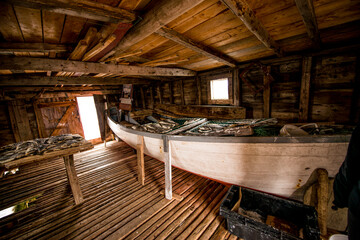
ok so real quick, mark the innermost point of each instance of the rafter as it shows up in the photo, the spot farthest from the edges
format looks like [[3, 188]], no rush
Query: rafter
[[242, 10], [80, 8], [164, 12], [14, 80], [306, 9], [6, 47], [195, 46], [56, 65]]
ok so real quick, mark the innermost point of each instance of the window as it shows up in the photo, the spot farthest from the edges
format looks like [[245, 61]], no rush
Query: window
[[219, 89]]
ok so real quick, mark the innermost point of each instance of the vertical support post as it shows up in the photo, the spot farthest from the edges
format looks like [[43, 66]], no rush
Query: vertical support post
[[2, 171], [143, 97], [168, 173], [171, 95], [305, 89], [39, 120], [19, 120], [236, 86], [182, 94], [140, 159], [152, 99], [355, 98], [322, 199], [160, 94], [267, 94], [105, 119], [198, 85], [73, 179]]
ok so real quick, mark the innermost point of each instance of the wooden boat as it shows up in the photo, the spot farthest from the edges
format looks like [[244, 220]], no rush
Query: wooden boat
[[282, 166]]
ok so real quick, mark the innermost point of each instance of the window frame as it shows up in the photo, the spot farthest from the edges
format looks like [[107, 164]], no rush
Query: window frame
[[230, 92]]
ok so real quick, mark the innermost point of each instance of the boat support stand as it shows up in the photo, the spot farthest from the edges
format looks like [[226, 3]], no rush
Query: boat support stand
[[168, 173]]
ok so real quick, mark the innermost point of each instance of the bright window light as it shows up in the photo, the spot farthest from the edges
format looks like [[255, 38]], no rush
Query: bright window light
[[6, 212], [219, 89], [88, 117]]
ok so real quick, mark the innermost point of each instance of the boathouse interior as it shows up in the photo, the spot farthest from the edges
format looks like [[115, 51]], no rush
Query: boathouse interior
[[294, 60]]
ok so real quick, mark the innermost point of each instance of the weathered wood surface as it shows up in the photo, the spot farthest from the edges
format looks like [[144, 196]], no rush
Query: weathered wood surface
[[39, 120], [214, 112], [64, 120], [236, 87], [140, 160], [163, 13], [209, 160], [20, 63], [305, 89], [107, 175], [14, 80], [267, 94], [197, 47], [81, 8], [73, 179], [242, 10], [100, 111], [36, 158], [307, 12], [168, 168], [6, 47], [19, 121]]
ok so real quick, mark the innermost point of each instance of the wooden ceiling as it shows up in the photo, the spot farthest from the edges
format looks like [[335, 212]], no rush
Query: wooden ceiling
[[193, 35]]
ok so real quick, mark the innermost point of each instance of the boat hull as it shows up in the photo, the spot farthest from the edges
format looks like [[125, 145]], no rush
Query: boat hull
[[276, 165]]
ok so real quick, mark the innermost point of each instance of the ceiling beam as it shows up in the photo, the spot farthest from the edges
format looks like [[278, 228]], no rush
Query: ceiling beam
[[161, 14], [306, 9], [63, 94], [242, 10], [57, 65], [197, 47], [6, 47], [14, 80], [80, 8]]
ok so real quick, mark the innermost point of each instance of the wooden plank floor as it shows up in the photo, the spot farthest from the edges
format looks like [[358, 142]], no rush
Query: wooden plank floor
[[116, 206]]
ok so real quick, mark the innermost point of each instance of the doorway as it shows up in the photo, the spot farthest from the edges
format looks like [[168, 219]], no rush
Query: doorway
[[88, 117]]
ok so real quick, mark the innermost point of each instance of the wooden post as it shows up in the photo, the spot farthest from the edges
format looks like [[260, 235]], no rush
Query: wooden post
[[39, 120], [236, 86], [143, 97], [160, 94], [100, 110], [267, 94], [105, 119], [305, 89], [19, 121], [355, 99], [171, 95], [2, 171], [73, 179], [168, 173], [322, 199], [140, 159], [182, 92], [152, 100], [198, 85]]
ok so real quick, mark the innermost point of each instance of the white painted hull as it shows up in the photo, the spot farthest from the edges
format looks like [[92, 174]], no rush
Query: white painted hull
[[278, 167]]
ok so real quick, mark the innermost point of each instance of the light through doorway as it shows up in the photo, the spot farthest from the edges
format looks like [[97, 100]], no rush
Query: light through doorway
[[88, 117]]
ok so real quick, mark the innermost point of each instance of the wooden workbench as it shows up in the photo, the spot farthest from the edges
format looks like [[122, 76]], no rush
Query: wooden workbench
[[67, 155]]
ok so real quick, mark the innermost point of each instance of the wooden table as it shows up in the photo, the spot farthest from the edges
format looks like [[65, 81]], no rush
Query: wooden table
[[67, 155]]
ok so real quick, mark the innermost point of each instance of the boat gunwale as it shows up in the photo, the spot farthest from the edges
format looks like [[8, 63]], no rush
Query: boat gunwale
[[271, 139]]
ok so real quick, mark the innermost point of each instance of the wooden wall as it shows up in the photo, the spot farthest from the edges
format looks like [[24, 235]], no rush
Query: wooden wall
[[26, 115], [333, 91]]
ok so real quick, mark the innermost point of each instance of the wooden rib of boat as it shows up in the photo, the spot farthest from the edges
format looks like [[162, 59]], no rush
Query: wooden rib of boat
[[278, 165]]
